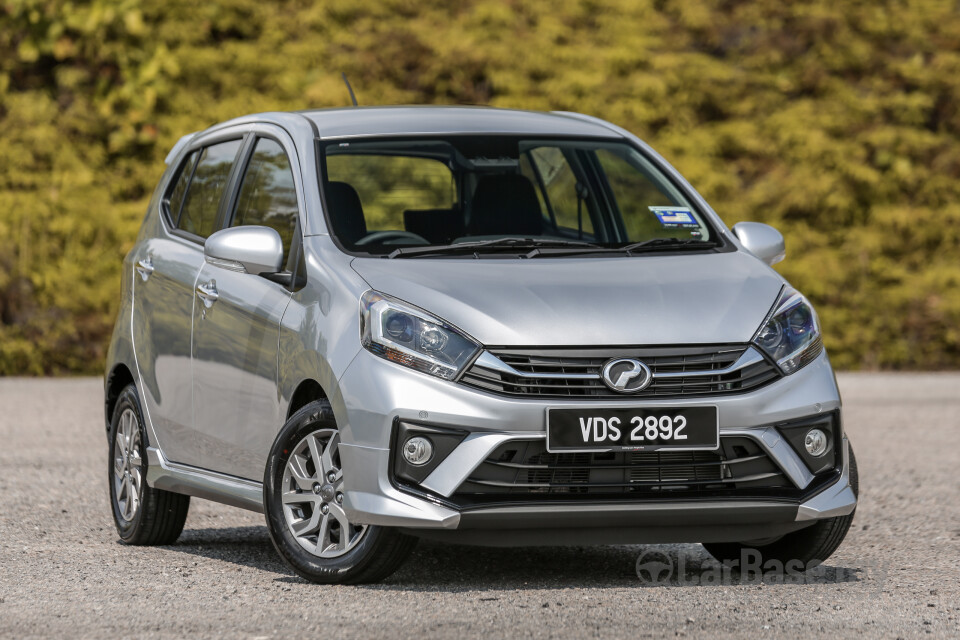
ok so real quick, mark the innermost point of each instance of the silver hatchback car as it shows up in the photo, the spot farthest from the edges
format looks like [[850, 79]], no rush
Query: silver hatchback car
[[478, 325]]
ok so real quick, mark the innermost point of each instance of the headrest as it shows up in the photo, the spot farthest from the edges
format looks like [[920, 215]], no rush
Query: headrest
[[505, 204], [346, 212]]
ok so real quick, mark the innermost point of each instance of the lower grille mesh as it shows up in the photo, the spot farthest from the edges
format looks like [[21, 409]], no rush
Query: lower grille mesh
[[524, 468]]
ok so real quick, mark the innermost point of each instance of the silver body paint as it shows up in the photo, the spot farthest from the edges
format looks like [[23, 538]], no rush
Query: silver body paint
[[216, 380]]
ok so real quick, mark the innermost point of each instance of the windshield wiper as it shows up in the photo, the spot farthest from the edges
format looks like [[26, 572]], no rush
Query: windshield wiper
[[657, 244], [500, 243], [553, 247]]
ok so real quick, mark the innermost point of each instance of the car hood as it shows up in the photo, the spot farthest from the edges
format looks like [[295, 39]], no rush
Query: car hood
[[642, 300]]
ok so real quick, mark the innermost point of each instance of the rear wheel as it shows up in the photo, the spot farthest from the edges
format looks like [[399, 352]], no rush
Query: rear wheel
[[142, 515], [805, 548], [303, 500]]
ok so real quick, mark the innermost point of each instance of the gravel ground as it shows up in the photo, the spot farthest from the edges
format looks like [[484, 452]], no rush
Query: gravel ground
[[63, 571]]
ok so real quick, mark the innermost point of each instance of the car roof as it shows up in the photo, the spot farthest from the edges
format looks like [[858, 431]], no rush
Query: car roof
[[392, 121]]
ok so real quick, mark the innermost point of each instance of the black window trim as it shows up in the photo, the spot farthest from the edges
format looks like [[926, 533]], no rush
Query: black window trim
[[228, 203]]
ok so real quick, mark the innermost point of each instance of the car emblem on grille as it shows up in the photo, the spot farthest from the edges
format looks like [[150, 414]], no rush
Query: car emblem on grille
[[626, 375]]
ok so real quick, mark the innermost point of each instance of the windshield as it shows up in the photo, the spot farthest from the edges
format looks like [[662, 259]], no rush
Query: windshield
[[498, 193]]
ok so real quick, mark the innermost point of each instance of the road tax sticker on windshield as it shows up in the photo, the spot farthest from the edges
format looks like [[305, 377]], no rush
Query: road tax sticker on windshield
[[671, 217]]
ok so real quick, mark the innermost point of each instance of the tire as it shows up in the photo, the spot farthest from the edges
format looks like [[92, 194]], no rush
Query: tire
[[322, 550], [809, 546], [142, 515]]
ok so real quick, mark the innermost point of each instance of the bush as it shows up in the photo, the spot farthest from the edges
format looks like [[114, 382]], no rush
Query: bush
[[836, 122]]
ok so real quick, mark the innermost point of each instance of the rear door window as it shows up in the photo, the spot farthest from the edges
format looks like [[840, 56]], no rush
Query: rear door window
[[199, 212], [268, 196], [175, 199]]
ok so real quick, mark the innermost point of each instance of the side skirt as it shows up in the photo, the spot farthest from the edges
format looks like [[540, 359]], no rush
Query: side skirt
[[210, 485]]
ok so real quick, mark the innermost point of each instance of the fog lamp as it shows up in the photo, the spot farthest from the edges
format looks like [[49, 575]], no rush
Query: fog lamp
[[418, 451], [815, 442]]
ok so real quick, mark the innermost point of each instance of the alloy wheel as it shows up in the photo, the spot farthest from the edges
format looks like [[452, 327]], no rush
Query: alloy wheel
[[127, 466], [312, 497]]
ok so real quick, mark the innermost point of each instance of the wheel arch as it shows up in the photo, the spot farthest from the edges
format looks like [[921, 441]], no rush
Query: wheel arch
[[117, 380], [307, 391]]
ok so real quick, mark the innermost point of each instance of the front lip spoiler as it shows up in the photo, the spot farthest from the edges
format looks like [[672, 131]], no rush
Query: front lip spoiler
[[835, 499], [642, 515]]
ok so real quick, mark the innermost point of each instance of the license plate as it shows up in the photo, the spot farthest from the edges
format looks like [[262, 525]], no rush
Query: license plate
[[632, 429]]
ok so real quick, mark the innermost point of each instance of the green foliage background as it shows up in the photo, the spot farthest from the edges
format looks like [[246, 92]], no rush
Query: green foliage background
[[837, 122]]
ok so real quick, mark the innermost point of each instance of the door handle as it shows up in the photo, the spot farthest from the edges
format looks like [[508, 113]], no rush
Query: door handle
[[208, 293], [145, 267]]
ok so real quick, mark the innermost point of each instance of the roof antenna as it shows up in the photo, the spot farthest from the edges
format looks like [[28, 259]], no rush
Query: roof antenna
[[349, 88]]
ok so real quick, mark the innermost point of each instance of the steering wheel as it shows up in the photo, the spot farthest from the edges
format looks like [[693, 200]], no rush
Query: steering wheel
[[391, 237]]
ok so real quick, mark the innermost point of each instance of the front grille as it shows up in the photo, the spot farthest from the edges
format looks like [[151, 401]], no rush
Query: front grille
[[522, 470], [554, 365]]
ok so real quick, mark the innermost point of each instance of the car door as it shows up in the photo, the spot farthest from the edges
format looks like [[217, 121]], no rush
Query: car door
[[237, 329], [167, 268]]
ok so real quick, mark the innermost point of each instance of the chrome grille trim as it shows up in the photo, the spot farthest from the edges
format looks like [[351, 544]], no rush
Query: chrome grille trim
[[491, 362], [676, 371]]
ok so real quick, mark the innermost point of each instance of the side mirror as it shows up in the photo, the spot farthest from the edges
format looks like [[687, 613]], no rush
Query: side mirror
[[256, 250], [761, 240]]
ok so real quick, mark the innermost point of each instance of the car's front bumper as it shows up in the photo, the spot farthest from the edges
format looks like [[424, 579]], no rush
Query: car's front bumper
[[376, 394]]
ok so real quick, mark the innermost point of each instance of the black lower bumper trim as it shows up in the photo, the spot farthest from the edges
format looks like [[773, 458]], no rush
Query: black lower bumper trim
[[682, 514]]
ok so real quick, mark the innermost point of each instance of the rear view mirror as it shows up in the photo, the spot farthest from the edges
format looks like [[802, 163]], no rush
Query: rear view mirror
[[256, 250], [761, 240]]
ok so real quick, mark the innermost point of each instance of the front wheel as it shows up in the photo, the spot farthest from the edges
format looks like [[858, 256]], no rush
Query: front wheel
[[807, 547], [303, 503]]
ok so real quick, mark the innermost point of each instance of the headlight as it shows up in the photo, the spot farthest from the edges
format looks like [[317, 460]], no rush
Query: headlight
[[409, 336], [791, 334]]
